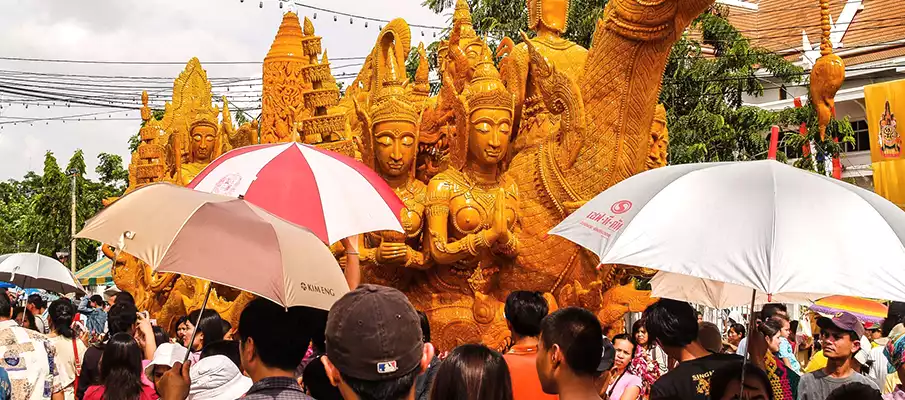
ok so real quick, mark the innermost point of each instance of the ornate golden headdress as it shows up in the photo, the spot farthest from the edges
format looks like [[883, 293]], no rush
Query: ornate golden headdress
[[204, 116], [462, 14], [391, 102], [485, 91], [389, 95]]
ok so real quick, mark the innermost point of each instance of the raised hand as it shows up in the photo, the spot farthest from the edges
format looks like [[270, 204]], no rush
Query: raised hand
[[389, 252], [499, 217]]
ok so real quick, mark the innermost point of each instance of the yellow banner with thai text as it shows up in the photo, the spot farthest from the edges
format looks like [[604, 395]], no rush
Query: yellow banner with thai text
[[885, 101]]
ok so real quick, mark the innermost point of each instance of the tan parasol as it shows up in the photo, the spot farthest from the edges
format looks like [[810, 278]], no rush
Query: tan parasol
[[222, 239]]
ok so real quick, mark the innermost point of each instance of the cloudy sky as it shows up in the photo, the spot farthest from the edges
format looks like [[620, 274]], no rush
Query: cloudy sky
[[152, 30]]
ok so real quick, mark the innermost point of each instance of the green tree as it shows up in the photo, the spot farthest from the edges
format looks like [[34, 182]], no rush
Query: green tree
[[240, 118], [36, 210], [110, 171]]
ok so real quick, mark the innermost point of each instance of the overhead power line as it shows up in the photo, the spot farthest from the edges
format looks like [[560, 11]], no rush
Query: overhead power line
[[123, 62]]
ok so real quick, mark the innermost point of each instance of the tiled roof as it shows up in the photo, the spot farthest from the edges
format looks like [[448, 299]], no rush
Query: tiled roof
[[777, 24]]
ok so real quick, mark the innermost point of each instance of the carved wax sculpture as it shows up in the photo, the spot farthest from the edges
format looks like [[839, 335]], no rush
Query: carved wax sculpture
[[487, 213], [472, 214], [533, 122], [283, 81], [827, 74], [604, 136], [438, 118], [389, 144], [175, 149]]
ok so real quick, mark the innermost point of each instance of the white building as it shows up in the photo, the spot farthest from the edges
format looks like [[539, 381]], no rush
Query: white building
[[869, 35]]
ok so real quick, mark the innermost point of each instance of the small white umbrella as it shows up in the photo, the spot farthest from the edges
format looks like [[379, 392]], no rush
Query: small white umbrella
[[36, 271], [760, 225]]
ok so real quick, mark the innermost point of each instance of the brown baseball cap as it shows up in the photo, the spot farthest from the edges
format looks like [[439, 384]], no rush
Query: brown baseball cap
[[374, 334], [842, 321]]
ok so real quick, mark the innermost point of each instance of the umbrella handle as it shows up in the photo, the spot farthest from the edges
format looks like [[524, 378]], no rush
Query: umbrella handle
[[198, 321]]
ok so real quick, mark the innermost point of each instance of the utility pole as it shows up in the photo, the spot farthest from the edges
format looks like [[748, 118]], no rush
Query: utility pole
[[72, 252]]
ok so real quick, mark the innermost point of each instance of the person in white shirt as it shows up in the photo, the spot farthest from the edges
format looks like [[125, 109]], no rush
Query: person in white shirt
[[69, 349], [29, 359], [37, 306]]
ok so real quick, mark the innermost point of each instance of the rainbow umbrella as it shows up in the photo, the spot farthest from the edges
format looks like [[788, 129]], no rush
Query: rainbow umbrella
[[870, 312]]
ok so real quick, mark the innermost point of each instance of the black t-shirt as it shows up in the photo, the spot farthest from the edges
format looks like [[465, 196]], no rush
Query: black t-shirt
[[690, 380], [91, 370]]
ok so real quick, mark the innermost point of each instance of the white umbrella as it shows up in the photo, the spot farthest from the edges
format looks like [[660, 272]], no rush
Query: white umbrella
[[35, 271], [760, 225]]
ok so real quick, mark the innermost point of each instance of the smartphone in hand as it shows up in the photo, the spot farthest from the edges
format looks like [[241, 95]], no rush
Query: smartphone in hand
[[78, 328]]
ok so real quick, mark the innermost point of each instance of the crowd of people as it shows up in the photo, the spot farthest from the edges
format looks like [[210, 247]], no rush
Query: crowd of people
[[373, 345]]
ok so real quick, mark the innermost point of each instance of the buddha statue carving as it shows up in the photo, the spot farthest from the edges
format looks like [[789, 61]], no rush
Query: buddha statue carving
[[549, 20], [204, 145], [388, 144], [473, 229]]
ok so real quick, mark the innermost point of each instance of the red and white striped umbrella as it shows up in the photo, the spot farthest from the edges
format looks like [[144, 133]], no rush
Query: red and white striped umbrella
[[332, 195]]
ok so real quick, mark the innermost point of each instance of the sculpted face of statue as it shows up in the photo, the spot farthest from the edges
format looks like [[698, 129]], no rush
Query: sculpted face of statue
[[551, 14], [395, 147], [474, 51], [203, 137], [488, 135]]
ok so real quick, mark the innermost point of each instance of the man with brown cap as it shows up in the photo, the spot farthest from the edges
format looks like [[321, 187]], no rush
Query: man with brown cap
[[841, 337], [375, 348]]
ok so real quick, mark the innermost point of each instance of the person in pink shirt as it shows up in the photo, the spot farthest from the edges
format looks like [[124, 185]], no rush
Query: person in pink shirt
[[623, 385], [121, 372]]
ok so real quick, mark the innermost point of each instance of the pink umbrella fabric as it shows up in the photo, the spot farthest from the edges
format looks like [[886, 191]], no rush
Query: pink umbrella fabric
[[333, 195], [224, 240]]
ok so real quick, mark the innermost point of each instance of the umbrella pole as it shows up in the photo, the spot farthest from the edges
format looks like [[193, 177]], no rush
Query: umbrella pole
[[741, 384], [198, 321], [25, 309]]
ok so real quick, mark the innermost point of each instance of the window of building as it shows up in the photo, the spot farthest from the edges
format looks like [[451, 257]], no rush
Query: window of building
[[783, 93], [862, 137]]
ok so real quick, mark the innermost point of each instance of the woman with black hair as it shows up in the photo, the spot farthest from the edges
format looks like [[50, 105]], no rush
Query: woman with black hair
[[121, 372], [28, 322], [474, 372], [314, 376], [623, 385], [70, 349], [650, 361], [182, 329], [210, 330], [734, 337]]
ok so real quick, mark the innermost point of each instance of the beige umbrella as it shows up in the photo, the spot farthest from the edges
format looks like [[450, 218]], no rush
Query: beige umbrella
[[222, 239]]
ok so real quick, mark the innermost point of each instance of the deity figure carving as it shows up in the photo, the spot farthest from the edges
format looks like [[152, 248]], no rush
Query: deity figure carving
[[605, 134], [473, 227], [438, 117], [549, 20], [388, 144], [175, 149], [204, 146], [659, 139]]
